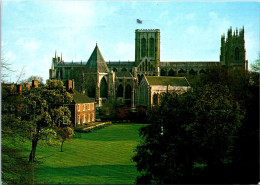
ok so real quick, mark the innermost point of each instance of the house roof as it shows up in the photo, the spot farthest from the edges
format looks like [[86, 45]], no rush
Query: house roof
[[96, 62], [82, 98], [166, 80]]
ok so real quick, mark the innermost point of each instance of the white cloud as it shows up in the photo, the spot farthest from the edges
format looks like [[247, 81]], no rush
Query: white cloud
[[30, 45]]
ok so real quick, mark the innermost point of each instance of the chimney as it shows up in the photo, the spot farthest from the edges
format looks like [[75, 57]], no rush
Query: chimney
[[19, 89], [35, 83], [70, 85], [27, 86], [12, 88]]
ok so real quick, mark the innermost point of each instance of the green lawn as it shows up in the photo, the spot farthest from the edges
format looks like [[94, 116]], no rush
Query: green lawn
[[100, 157]]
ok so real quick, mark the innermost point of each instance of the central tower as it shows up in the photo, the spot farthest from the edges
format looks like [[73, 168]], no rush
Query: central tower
[[147, 44]]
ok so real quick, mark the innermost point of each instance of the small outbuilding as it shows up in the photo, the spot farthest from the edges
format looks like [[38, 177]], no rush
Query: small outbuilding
[[150, 88]]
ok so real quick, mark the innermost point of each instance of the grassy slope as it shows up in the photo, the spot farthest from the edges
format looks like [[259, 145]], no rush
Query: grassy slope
[[100, 157]]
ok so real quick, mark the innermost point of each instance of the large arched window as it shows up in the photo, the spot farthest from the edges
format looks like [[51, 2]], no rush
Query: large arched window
[[128, 92], [151, 47], [236, 53], [192, 72], [171, 73], [181, 71], [163, 72], [202, 71], [103, 88], [114, 69], [143, 47], [119, 91]]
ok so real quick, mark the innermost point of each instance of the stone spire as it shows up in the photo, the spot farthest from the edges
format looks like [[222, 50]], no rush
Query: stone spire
[[96, 62]]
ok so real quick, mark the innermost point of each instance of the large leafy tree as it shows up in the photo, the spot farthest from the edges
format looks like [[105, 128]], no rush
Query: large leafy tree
[[48, 110], [190, 136]]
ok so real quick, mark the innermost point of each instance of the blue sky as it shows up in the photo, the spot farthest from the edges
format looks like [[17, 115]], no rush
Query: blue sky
[[190, 31]]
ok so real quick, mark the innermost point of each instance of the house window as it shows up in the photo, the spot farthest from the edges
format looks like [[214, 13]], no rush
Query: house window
[[84, 121], [83, 107], [92, 116], [78, 120], [88, 117], [88, 106], [78, 107]]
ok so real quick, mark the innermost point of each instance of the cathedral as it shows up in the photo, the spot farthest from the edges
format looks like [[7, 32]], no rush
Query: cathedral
[[128, 81]]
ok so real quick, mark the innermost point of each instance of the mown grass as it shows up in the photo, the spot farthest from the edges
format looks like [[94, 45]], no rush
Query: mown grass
[[100, 157]]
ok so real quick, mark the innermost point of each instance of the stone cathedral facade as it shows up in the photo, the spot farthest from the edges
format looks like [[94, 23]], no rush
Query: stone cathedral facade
[[101, 80]]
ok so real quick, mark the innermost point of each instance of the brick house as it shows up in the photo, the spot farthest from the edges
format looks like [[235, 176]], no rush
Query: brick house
[[82, 110]]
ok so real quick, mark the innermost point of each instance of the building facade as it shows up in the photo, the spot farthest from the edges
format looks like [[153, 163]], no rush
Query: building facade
[[151, 88], [100, 79]]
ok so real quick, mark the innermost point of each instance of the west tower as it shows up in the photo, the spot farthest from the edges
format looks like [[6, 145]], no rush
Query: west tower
[[147, 44], [232, 51]]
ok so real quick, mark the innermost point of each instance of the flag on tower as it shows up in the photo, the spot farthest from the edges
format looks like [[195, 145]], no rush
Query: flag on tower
[[138, 21]]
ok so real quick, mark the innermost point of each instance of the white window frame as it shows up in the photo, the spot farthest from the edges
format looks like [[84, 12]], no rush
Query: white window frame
[[78, 119]]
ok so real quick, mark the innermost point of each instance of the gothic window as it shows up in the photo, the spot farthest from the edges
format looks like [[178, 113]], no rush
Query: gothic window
[[181, 71], [202, 71], [192, 72], [103, 88], [143, 47], [119, 91], [155, 99], [114, 69], [171, 73], [236, 53], [128, 92], [163, 72], [124, 69], [151, 47], [139, 79]]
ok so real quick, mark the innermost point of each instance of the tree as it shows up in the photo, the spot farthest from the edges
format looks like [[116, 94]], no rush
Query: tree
[[33, 77], [187, 132], [47, 103], [6, 68], [256, 65], [64, 134]]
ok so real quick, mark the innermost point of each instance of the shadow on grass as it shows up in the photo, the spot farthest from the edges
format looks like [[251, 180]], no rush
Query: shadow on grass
[[93, 174]]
